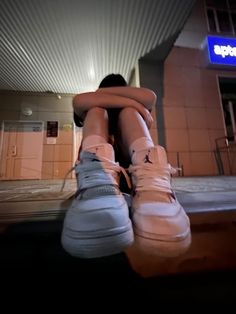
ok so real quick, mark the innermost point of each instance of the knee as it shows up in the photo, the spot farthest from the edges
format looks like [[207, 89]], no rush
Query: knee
[[97, 112], [128, 112]]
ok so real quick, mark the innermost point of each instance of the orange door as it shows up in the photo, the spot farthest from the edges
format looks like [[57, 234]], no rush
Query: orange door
[[22, 150]]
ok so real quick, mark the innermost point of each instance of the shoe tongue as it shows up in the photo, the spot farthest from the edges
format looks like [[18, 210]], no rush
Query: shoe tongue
[[103, 150], [153, 155]]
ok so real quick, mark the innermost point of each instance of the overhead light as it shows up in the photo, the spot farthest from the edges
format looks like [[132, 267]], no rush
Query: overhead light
[[27, 111]]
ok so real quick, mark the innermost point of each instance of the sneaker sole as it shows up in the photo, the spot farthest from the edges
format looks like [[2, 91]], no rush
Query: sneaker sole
[[151, 244], [97, 227], [95, 244]]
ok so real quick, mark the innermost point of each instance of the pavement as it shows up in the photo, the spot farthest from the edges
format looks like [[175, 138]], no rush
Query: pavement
[[200, 194], [43, 199], [196, 194]]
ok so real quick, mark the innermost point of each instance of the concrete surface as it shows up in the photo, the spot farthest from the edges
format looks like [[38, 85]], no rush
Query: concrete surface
[[31, 213], [20, 199]]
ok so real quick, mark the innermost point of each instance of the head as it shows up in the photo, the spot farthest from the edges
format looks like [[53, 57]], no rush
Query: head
[[113, 80]]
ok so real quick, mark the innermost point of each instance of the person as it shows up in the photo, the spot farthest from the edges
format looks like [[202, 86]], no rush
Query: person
[[116, 120]]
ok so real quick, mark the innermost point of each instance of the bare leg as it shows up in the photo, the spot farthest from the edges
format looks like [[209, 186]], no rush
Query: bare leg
[[132, 130], [160, 223], [96, 124], [95, 134], [136, 137], [97, 223]]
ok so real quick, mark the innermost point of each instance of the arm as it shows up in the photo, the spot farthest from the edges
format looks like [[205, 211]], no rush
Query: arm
[[83, 102], [144, 96]]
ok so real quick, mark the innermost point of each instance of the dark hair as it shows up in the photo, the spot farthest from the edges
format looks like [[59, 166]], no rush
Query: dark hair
[[113, 80]]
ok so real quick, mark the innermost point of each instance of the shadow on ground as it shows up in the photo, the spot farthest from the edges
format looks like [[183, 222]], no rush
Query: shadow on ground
[[31, 255]]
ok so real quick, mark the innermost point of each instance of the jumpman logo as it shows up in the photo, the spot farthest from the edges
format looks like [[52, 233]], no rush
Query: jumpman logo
[[146, 159]]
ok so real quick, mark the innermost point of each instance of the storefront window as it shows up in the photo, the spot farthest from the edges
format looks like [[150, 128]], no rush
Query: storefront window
[[221, 16], [224, 22], [228, 96], [211, 20], [234, 22], [232, 4], [218, 4]]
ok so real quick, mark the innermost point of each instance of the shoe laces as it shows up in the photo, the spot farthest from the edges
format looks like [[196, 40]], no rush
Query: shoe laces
[[107, 172], [152, 177], [100, 170], [65, 178]]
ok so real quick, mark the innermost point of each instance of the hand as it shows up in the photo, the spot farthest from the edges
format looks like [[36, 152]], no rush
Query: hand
[[146, 116]]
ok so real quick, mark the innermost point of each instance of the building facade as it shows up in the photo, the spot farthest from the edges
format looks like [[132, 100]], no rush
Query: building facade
[[196, 85], [194, 115]]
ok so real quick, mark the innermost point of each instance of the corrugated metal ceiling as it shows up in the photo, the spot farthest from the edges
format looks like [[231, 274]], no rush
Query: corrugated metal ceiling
[[68, 46]]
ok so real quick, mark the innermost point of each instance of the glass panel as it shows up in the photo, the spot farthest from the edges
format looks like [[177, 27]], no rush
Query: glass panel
[[234, 111], [224, 22], [232, 4], [211, 20], [233, 15], [228, 122], [217, 4]]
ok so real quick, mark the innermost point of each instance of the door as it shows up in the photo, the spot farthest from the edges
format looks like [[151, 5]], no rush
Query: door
[[232, 111], [22, 147], [228, 95]]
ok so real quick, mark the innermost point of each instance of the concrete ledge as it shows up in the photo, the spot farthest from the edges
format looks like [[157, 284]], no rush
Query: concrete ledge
[[207, 201], [213, 236], [213, 247]]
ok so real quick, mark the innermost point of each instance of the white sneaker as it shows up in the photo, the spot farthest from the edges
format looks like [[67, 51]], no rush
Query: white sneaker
[[160, 223], [97, 224]]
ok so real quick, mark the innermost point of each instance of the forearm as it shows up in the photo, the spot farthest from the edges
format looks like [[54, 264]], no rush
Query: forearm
[[144, 96], [84, 102]]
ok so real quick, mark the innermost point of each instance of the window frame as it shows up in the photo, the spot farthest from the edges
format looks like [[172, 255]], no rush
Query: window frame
[[215, 9]]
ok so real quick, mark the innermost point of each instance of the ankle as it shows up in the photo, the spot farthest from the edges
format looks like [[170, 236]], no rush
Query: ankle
[[101, 150], [92, 140], [140, 144]]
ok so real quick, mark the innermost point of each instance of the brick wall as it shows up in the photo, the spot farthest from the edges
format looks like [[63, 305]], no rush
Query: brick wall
[[58, 158], [193, 116]]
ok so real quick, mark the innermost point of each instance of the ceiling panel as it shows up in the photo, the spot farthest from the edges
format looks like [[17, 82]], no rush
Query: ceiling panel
[[68, 46]]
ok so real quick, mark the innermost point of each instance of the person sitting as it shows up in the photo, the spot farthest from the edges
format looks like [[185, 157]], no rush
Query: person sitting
[[116, 120]]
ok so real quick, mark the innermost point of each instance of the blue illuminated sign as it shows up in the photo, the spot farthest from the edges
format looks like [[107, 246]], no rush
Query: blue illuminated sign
[[222, 50]]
